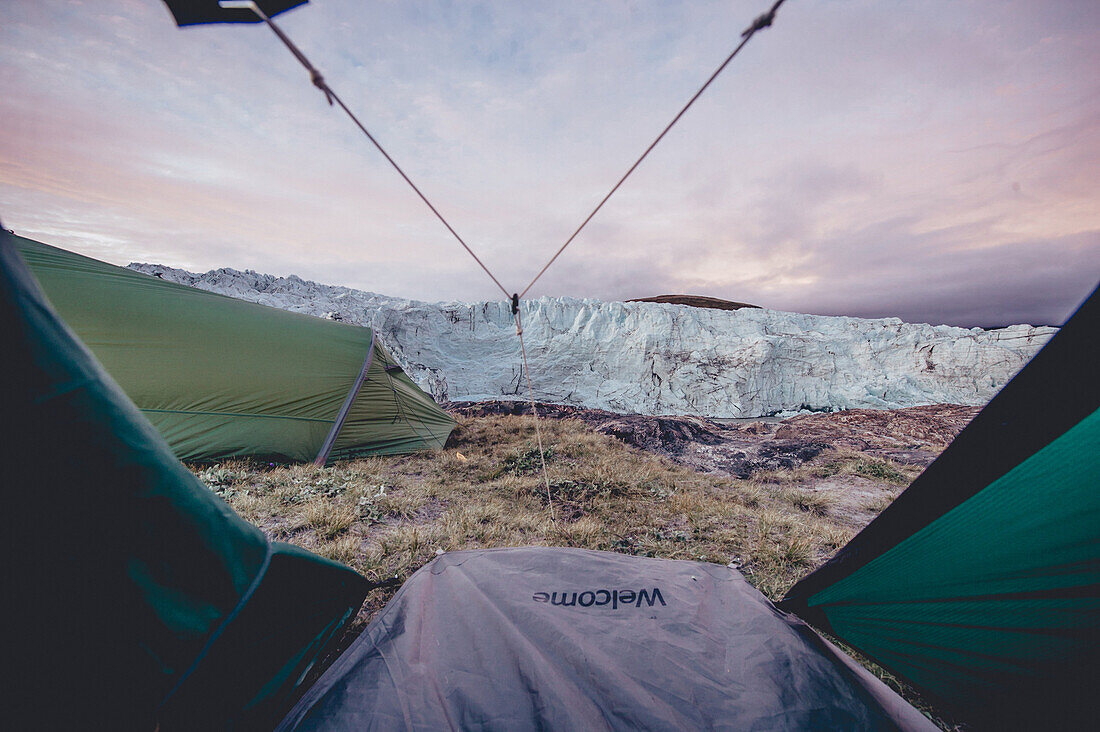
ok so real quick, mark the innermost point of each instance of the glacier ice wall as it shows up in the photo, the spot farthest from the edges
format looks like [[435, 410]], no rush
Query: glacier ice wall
[[651, 358]]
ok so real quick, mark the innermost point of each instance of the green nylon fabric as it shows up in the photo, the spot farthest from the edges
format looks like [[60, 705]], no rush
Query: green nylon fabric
[[955, 607], [219, 377], [392, 414]]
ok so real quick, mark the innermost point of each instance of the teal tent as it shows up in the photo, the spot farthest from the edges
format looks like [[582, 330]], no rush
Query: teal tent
[[139, 597], [220, 377], [980, 584]]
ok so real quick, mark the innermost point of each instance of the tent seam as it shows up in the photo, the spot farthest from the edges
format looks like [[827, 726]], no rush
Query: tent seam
[[226, 621], [235, 414]]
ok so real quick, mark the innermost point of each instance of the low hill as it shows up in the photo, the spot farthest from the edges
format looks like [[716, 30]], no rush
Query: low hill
[[696, 301]]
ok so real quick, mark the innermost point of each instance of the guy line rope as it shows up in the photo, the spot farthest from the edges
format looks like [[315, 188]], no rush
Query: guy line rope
[[760, 23]]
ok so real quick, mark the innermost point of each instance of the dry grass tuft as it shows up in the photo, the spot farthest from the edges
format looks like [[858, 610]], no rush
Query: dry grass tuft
[[329, 518], [853, 463]]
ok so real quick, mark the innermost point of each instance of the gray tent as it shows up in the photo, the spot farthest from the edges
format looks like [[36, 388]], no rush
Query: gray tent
[[570, 639]]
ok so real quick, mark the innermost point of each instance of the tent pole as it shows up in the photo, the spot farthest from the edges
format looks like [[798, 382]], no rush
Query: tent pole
[[341, 417]]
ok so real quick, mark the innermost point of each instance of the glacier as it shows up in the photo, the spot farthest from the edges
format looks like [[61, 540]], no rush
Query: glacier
[[658, 359]]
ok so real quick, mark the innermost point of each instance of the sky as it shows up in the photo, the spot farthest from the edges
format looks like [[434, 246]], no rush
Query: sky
[[937, 161]]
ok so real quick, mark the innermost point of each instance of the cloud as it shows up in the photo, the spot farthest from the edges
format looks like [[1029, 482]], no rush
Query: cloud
[[937, 161]]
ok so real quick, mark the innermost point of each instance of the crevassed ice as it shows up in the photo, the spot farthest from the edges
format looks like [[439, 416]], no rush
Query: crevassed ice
[[650, 358]]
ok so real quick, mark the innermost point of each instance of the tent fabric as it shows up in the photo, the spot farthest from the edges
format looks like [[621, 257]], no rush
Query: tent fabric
[[197, 12], [571, 639], [138, 596], [220, 377], [980, 584]]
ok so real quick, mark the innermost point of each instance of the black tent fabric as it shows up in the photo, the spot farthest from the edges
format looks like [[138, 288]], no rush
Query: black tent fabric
[[980, 584], [572, 639], [198, 12], [139, 597]]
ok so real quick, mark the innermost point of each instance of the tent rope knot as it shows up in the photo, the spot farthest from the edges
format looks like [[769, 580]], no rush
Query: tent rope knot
[[319, 82], [763, 21]]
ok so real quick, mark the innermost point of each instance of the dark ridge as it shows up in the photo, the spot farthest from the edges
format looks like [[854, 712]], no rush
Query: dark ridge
[[696, 301]]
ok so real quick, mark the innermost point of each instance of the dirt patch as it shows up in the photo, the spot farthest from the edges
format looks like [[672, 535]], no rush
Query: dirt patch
[[852, 500], [914, 436]]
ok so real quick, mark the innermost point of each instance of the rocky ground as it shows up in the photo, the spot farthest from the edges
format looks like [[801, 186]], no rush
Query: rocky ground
[[849, 465], [911, 437]]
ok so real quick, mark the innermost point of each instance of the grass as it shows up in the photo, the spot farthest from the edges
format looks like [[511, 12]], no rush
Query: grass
[[853, 463], [387, 517]]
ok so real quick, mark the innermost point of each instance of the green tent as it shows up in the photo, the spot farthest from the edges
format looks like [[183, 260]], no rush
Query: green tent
[[980, 584], [137, 596], [220, 377]]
